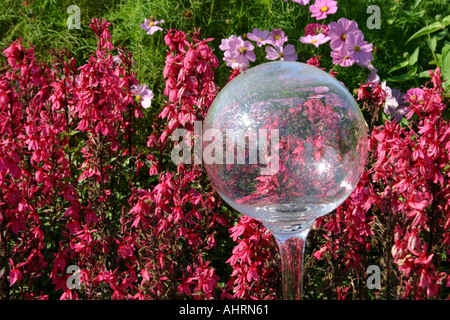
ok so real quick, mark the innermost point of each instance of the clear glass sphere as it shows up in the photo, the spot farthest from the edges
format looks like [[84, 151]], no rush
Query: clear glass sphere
[[284, 143]]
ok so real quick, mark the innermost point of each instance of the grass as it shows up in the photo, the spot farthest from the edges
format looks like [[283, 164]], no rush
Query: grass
[[43, 23]]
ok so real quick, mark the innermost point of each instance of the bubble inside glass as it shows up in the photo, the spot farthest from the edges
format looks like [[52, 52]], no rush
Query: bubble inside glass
[[284, 143]]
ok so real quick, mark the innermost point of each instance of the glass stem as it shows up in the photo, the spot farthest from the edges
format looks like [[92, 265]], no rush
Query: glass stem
[[291, 246]]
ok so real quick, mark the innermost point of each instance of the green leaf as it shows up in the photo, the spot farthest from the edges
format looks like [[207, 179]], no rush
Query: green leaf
[[412, 59], [404, 121], [70, 133], [73, 132], [423, 74], [445, 70], [404, 77], [399, 66], [435, 26], [438, 61], [446, 21], [416, 4], [112, 160], [432, 43]]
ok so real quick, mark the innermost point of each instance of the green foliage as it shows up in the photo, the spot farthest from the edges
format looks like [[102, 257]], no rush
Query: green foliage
[[428, 41], [413, 23]]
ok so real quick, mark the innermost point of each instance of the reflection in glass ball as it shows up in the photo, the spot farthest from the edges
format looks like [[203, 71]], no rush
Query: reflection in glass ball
[[293, 143]]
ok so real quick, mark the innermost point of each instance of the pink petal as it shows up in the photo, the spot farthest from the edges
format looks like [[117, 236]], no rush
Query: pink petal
[[14, 276]]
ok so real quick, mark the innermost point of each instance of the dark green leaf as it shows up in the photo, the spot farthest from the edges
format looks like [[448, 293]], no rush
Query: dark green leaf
[[399, 66], [445, 70], [446, 21], [435, 26], [423, 74], [403, 77], [413, 58], [432, 42], [416, 4]]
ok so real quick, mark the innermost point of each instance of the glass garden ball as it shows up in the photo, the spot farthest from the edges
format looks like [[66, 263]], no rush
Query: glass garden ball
[[284, 143]]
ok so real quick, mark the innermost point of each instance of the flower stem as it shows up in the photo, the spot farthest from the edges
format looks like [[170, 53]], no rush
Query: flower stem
[[291, 246]]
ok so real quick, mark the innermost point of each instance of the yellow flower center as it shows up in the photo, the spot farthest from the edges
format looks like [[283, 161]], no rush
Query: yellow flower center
[[357, 48], [281, 55], [324, 9], [313, 41], [138, 98], [151, 23], [242, 50], [413, 97], [343, 36], [277, 37]]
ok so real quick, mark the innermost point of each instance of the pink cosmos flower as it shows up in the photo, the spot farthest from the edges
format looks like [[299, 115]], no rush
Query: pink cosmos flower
[[342, 58], [358, 48], [316, 40], [321, 8], [242, 51], [143, 95], [151, 26], [238, 53], [225, 43], [301, 2], [233, 63], [286, 53], [339, 30], [259, 36], [277, 38]]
